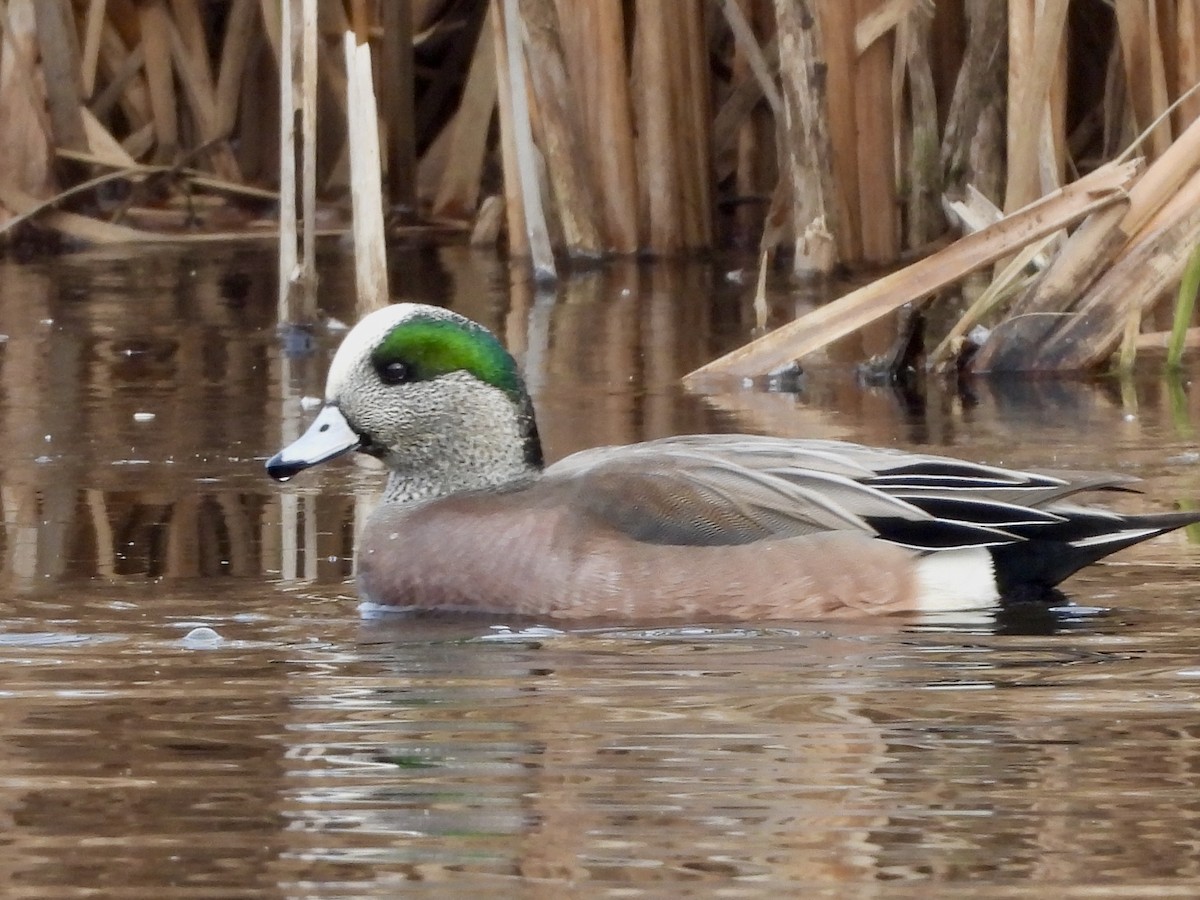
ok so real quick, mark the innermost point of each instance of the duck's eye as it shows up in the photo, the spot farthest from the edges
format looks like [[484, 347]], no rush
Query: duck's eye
[[394, 372]]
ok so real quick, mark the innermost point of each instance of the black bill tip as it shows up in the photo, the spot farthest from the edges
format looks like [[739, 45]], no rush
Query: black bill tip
[[284, 469]]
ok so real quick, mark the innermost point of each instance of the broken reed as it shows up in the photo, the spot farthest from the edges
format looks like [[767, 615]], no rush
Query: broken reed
[[642, 114], [636, 126], [836, 130]]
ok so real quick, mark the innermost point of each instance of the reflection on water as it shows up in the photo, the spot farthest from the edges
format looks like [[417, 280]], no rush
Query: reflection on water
[[299, 751]]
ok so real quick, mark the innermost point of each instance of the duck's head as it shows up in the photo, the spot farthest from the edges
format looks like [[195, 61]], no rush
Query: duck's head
[[429, 392]]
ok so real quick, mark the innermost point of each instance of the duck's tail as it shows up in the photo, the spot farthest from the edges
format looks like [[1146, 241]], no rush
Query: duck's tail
[[1051, 552]]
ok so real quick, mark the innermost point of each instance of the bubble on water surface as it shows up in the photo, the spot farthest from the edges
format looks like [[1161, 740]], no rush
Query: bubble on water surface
[[202, 636]]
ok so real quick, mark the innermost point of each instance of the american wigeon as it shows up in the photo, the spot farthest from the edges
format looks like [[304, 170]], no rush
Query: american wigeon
[[711, 526]]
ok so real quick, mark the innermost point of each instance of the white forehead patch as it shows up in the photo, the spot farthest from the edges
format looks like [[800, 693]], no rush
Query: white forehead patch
[[361, 340]]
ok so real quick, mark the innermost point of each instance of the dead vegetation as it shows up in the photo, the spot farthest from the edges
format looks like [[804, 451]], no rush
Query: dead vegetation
[[970, 134]]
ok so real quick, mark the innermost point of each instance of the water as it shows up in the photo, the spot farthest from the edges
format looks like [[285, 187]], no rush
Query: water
[[192, 705]]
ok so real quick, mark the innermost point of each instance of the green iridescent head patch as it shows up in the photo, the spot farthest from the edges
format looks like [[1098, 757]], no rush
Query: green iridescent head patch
[[430, 346]]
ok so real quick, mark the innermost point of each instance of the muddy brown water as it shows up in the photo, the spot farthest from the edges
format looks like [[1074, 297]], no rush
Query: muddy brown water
[[192, 706]]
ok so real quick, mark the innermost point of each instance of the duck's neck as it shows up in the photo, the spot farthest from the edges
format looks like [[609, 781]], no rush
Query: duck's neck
[[406, 486], [509, 451]]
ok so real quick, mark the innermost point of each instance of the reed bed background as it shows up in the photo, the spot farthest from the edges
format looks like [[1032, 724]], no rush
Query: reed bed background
[[824, 133]]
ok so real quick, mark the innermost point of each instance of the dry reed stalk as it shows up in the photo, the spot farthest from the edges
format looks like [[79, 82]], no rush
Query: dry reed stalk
[[757, 151], [102, 144], [948, 43], [805, 102], [923, 216], [751, 55], [445, 80], [969, 145], [256, 129], [596, 53], [1016, 345], [239, 35], [190, 29], [1142, 53], [1020, 187], [288, 251], [25, 150], [690, 97], [1187, 72], [1135, 282], [538, 235], [1163, 178], [837, 30], [1015, 342], [739, 105], [1009, 280], [1119, 128], [155, 30], [425, 12], [776, 225], [1159, 340], [126, 85], [59, 52], [878, 202], [366, 185], [1053, 156], [93, 30], [197, 179], [1034, 41], [751, 150], [140, 142], [976, 210], [873, 24], [835, 320], [195, 74], [81, 228], [308, 148], [489, 221], [269, 12], [360, 12], [514, 206], [434, 164], [123, 16], [655, 53], [331, 19], [458, 190], [566, 164], [569, 35], [1167, 13], [397, 100]]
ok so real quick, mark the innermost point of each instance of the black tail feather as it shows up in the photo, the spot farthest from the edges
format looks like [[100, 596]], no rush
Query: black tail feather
[[1052, 552]]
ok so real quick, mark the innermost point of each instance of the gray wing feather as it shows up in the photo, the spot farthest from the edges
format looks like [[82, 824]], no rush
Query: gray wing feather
[[724, 492], [723, 489]]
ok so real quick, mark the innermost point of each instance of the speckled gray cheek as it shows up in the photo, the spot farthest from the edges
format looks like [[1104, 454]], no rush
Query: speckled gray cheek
[[449, 434]]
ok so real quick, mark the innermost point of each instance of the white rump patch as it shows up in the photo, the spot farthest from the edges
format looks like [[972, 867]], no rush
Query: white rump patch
[[959, 579]]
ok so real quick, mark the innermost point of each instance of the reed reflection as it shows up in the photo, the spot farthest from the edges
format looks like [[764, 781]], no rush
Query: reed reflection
[[815, 758], [859, 754], [140, 394]]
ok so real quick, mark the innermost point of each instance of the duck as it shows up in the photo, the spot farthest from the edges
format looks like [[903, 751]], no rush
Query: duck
[[699, 527]]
